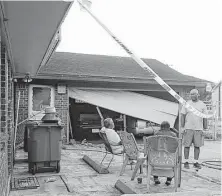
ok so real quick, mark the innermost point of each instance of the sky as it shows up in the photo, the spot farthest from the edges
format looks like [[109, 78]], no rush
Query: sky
[[185, 34]]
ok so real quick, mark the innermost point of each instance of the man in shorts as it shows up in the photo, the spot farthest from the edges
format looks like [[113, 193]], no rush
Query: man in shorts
[[193, 128]]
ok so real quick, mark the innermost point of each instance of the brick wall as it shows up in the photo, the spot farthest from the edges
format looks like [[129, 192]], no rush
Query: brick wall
[[62, 107], [6, 123]]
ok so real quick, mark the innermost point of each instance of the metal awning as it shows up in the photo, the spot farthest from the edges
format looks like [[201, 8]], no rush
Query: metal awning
[[129, 103]]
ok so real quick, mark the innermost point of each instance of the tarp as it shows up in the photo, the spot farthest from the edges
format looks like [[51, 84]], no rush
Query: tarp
[[129, 103]]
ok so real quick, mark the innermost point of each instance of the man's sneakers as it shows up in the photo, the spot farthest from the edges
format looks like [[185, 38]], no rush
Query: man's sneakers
[[168, 182], [186, 165], [156, 180], [197, 165]]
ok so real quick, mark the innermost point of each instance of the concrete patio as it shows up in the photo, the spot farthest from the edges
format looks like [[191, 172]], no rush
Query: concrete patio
[[77, 178]]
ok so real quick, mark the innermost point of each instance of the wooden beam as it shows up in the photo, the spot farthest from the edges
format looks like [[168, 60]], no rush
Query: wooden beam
[[123, 188], [124, 122], [101, 169]]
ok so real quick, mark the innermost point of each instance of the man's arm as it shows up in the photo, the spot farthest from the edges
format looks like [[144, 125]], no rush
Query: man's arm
[[205, 123], [205, 119], [183, 120]]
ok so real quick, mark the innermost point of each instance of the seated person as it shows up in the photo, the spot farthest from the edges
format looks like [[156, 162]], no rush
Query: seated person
[[112, 136], [164, 130]]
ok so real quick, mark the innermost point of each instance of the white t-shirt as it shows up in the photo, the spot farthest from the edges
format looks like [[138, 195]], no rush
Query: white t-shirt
[[111, 135], [193, 121], [113, 139]]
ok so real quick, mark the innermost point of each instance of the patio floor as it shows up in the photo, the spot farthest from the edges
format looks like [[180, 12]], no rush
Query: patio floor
[[77, 178]]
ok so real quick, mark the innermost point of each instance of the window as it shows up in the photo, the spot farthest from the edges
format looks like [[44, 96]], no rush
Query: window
[[40, 97]]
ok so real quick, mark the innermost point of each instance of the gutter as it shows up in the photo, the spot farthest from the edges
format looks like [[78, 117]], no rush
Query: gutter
[[52, 45], [115, 79], [6, 35]]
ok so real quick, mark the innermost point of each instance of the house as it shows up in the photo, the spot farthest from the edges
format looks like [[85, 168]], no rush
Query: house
[[216, 102], [29, 33], [117, 85]]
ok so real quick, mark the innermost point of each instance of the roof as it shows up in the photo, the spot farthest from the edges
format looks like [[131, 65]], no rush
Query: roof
[[90, 65]]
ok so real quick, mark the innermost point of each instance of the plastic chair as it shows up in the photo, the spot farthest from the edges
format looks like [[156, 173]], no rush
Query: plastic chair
[[162, 157], [107, 148], [131, 153]]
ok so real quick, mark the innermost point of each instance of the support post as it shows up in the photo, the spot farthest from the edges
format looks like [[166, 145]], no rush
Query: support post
[[67, 126], [101, 116], [180, 148], [16, 123], [124, 122]]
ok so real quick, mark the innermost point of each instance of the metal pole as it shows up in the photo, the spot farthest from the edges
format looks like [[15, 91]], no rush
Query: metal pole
[[68, 127], [68, 121], [215, 127], [16, 122], [180, 149], [145, 67]]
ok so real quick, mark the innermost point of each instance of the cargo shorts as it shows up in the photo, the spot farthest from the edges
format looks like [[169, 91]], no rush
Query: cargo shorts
[[193, 136]]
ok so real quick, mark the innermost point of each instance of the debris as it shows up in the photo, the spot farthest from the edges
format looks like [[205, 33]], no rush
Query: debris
[[90, 144], [72, 141], [84, 141], [64, 147], [52, 179]]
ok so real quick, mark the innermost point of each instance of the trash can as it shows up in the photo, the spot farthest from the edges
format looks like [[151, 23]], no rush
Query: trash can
[[29, 125], [44, 145]]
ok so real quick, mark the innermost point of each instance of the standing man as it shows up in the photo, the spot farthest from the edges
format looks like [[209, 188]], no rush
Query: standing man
[[193, 128]]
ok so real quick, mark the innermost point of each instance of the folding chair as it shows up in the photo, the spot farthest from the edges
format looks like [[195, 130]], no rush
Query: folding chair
[[162, 157], [131, 153], [107, 148]]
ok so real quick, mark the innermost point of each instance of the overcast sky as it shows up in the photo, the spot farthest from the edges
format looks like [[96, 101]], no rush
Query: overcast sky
[[186, 34]]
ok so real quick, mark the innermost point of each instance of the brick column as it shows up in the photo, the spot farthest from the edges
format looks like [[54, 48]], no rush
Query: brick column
[[62, 107], [3, 121]]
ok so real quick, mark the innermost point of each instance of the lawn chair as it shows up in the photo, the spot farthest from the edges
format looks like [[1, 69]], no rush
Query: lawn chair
[[107, 148], [131, 153], [162, 157]]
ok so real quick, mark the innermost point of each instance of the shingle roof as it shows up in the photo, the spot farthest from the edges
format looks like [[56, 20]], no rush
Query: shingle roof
[[109, 66]]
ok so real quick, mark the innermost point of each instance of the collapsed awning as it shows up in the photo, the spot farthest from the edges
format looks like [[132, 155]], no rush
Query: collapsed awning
[[129, 103]]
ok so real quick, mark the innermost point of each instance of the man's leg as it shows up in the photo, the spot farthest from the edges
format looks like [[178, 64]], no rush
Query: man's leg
[[186, 153], [186, 156], [197, 145], [196, 153], [168, 181], [156, 180], [187, 141]]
